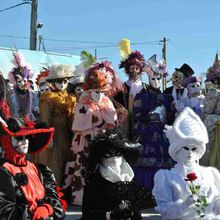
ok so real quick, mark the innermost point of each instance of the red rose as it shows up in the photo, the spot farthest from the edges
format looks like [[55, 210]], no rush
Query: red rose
[[191, 177]]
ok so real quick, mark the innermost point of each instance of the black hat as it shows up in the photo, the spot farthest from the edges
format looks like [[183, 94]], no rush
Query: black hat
[[186, 70], [112, 142]]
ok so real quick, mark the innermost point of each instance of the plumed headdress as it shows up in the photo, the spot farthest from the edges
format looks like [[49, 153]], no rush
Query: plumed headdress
[[187, 129], [20, 68], [130, 57], [59, 71], [42, 77], [153, 67]]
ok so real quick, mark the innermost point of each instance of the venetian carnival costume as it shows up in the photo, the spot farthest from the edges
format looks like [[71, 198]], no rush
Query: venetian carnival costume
[[133, 63], [177, 91], [149, 113], [76, 83], [212, 112], [22, 99], [110, 192], [95, 112], [173, 188], [195, 98], [57, 109], [27, 190], [43, 87]]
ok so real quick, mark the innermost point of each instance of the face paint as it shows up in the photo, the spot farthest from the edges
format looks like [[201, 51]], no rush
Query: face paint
[[155, 81], [44, 88], [134, 72], [61, 84], [188, 154], [194, 89], [96, 95], [177, 79], [22, 83], [20, 144]]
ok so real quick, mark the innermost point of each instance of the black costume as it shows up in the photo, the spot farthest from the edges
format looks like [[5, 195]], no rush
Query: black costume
[[120, 199]]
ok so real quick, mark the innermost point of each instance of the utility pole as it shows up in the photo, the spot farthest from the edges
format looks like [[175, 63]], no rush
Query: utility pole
[[33, 26], [164, 55]]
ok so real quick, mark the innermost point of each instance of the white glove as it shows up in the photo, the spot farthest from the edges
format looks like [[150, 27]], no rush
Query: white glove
[[190, 200]]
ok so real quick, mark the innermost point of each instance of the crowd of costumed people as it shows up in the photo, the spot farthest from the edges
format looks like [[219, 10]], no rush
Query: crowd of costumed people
[[84, 137]]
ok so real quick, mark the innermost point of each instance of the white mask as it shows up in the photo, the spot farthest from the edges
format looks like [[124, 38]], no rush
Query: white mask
[[188, 154], [22, 83], [78, 90], [61, 84], [115, 161], [194, 88], [177, 79], [44, 88], [155, 81], [20, 144], [96, 95]]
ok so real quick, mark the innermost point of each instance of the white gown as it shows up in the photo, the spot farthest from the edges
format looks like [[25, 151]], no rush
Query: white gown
[[170, 191]]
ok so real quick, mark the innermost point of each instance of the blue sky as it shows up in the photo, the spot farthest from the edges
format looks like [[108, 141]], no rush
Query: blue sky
[[192, 27]]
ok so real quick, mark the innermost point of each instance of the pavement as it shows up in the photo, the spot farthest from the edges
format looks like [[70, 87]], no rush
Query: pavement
[[75, 214]]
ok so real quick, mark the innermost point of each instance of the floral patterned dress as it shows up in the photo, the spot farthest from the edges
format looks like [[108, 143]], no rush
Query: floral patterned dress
[[91, 117]]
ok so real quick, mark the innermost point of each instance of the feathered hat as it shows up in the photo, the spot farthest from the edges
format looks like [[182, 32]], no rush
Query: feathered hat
[[130, 57], [42, 77], [153, 67], [20, 68], [96, 77], [191, 79], [213, 73], [39, 135], [187, 129], [59, 71], [112, 142], [79, 74]]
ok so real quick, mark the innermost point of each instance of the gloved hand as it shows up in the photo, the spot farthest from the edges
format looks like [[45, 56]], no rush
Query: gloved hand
[[190, 200], [42, 212], [122, 212]]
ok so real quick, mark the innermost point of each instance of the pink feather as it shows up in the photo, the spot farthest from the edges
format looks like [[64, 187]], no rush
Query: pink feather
[[18, 60]]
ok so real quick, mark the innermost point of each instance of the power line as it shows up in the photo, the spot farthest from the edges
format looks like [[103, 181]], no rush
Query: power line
[[14, 6], [109, 44]]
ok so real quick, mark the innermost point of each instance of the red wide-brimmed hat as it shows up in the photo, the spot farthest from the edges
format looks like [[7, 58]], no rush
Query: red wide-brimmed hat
[[38, 135]]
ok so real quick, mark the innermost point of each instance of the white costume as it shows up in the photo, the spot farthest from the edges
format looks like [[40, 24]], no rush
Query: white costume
[[188, 138]]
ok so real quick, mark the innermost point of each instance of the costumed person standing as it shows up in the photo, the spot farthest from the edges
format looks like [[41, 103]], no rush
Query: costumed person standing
[[212, 113], [57, 109], [195, 98], [177, 91], [43, 87], [22, 100], [76, 83], [133, 63], [110, 192], [94, 113], [5, 111], [149, 113], [27, 190], [187, 191]]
